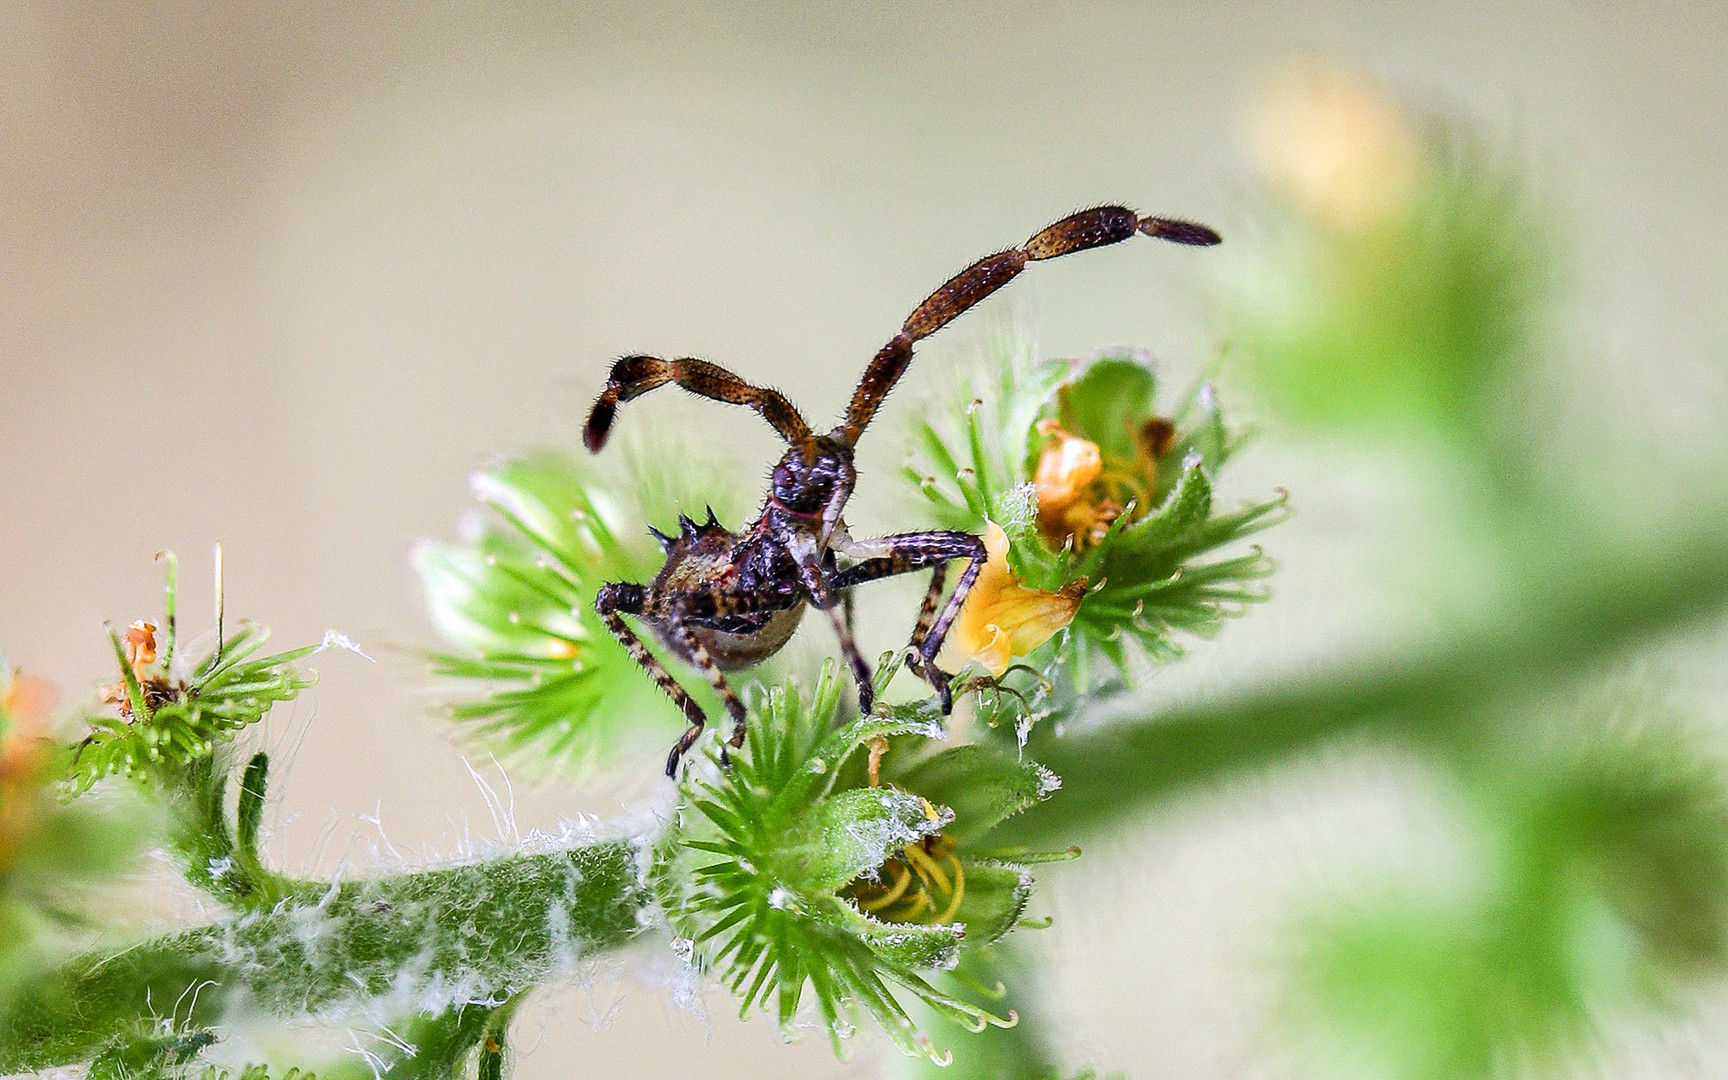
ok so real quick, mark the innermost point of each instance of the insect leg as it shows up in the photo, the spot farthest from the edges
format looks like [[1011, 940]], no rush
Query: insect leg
[[908, 552], [826, 599], [616, 599], [679, 609], [849, 649], [1088, 229], [830, 567], [705, 663], [927, 612], [932, 642]]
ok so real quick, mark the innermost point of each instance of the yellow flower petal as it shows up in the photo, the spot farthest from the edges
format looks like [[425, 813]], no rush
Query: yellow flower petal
[[1001, 618], [993, 654]]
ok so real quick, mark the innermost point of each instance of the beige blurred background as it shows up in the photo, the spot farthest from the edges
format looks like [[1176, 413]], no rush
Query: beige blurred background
[[280, 275]]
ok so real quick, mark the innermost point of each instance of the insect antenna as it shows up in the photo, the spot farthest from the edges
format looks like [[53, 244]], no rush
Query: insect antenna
[[1097, 227], [633, 376]]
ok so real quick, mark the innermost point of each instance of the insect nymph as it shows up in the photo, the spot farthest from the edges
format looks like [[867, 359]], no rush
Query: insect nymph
[[727, 600]]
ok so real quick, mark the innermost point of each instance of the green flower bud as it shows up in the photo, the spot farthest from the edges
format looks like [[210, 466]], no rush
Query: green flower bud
[[516, 605], [1095, 487], [844, 861], [169, 719]]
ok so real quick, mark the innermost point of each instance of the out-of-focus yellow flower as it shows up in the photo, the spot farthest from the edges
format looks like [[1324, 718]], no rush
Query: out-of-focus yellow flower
[[1002, 618], [24, 706], [25, 703], [1336, 144]]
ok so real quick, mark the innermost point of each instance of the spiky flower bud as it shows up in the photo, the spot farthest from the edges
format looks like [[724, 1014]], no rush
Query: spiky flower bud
[[815, 864], [167, 717], [1093, 487], [516, 605]]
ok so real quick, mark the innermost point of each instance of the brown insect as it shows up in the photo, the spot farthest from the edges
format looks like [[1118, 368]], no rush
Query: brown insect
[[726, 600]]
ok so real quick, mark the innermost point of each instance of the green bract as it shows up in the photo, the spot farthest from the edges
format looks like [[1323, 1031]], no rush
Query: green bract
[[1147, 522], [517, 603], [783, 869]]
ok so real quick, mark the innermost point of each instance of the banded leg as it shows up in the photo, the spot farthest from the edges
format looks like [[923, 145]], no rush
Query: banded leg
[[633, 376], [830, 567], [705, 663], [826, 599], [678, 610], [1087, 229], [909, 552], [849, 649], [620, 598]]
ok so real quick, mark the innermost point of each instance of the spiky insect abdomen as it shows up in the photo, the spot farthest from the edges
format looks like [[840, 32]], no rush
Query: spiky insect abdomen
[[703, 561]]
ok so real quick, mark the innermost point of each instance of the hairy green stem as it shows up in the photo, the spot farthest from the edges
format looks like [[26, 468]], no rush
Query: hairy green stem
[[1568, 618], [428, 1046], [436, 941]]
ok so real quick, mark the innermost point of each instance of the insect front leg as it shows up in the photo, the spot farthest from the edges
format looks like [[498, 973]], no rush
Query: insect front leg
[[830, 567], [903, 553], [617, 599], [826, 598]]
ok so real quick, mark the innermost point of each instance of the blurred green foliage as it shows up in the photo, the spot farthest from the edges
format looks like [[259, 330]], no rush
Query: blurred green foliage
[[516, 603], [54, 858]]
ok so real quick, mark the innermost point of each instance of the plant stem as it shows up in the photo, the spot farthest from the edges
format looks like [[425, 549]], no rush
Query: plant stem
[[1566, 619], [434, 941]]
